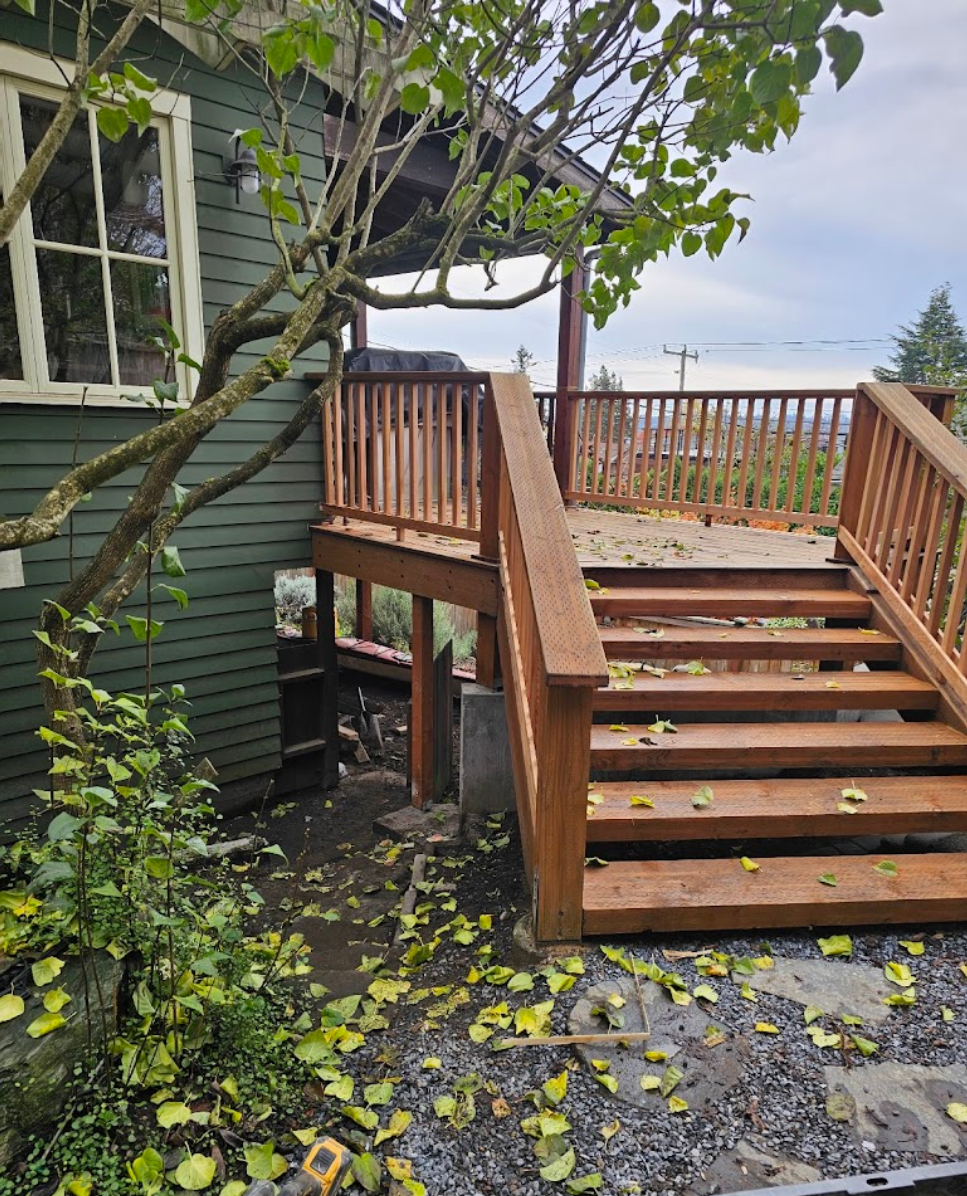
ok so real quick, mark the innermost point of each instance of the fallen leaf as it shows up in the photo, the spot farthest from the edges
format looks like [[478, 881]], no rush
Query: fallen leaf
[[766, 1028], [812, 1013], [845, 808], [899, 974], [586, 1183], [828, 878], [854, 794], [609, 1082], [399, 1123], [500, 1108], [560, 1168], [638, 800], [706, 992], [947, 1013], [702, 797], [840, 1106], [607, 1132], [44, 971], [11, 1006], [836, 944], [865, 1046], [46, 1024], [650, 1083], [748, 992], [958, 1112], [886, 868], [749, 865], [913, 946], [822, 1038]]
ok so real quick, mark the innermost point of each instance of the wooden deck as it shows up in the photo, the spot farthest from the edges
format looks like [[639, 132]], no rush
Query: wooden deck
[[615, 539]]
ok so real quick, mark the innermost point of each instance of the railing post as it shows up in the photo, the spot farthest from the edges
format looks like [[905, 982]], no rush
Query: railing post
[[488, 665], [563, 439], [421, 704], [560, 833], [855, 469]]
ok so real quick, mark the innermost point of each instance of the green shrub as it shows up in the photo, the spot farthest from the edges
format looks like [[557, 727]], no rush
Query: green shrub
[[393, 622]]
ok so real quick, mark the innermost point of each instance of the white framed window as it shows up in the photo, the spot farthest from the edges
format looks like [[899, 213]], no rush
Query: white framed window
[[107, 248]]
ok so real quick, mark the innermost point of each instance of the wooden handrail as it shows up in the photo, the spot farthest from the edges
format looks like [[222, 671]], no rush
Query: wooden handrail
[[903, 520], [570, 644], [550, 653]]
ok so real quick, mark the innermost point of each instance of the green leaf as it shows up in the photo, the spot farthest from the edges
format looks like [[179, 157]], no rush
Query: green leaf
[[140, 81], [158, 866], [606, 1081], [414, 98], [46, 1024], [521, 982], [27, 6], [845, 50], [671, 1078], [865, 1046], [45, 971], [179, 595], [261, 1161], [587, 1183], [770, 81], [867, 8], [378, 1094], [172, 1112], [55, 999], [171, 561], [913, 946], [281, 50], [836, 944], [676, 1104], [886, 868], [828, 878], [139, 112], [702, 797], [195, 1173], [808, 61], [706, 992], [647, 17], [958, 1112], [899, 974], [112, 122], [368, 1172], [557, 1170], [367, 1118], [399, 1123], [139, 627], [11, 1006]]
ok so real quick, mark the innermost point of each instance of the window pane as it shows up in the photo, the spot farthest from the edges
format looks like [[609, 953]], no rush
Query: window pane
[[63, 206], [131, 177], [11, 365], [141, 295], [72, 294]]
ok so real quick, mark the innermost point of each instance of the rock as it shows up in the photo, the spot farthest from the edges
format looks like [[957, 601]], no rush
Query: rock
[[438, 824], [748, 1167], [902, 1106], [677, 1031], [35, 1073], [834, 986]]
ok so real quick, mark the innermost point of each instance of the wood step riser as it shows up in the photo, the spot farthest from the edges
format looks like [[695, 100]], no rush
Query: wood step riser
[[648, 760], [814, 577], [762, 604], [770, 691], [710, 895], [749, 644]]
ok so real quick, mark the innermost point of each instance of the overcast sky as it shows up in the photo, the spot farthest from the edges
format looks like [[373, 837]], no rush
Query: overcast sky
[[854, 222]]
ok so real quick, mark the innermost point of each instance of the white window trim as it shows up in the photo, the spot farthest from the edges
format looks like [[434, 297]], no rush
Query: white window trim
[[37, 74]]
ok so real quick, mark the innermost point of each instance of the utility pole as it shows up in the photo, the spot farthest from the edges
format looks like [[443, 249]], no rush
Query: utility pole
[[683, 354]]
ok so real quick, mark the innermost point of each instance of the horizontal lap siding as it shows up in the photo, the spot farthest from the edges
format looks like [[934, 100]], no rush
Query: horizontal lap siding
[[222, 648]]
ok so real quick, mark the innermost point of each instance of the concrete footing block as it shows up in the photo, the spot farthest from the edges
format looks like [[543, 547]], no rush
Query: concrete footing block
[[486, 771]]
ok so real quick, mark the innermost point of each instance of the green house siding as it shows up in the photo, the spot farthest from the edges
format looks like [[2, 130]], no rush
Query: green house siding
[[222, 648]]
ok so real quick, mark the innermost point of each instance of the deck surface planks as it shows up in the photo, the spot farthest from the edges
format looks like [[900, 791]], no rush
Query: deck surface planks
[[749, 643]]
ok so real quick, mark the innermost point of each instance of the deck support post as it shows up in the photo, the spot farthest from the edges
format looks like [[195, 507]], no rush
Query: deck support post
[[488, 663], [327, 660], [570, 362], [561, 815], [422, 704], [364, 609]]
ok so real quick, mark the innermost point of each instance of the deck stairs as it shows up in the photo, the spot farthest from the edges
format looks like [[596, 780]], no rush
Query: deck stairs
[[786, 687]]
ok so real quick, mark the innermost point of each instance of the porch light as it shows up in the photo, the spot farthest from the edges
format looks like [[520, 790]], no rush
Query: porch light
[[243, 170]]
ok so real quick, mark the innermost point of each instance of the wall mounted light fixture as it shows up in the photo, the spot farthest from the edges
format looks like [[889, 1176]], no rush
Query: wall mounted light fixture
[[243, 171]]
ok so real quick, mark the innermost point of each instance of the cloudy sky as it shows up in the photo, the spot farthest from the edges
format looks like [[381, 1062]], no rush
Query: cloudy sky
[[853, 223]]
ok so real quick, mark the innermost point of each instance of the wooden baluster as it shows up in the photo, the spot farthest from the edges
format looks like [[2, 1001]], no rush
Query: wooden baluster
[[456, 459], [713, 461], [659, 451], [619, 468], [385, 490], [633, 448], [741, 500], [328, 451], [793, 475], [925, 499], [953, 616], [473, 465], [672, 450], [904, 513], [810, 476], [361, 447], [729, 462], [700, 445], [338, 440], [426, 392], [761, 453], [400, 451], [492, 482], [646, 451], [778, 449], [413, 392], [931, 548], [859, 482], [585, 481], [609, 413], [596, 476], [940, 586], [831, 450], [375, 496], [885, 484], [442, 437], [688, 434]]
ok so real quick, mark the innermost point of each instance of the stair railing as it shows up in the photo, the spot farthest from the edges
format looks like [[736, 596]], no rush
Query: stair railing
[[550, 652], [903, 518]]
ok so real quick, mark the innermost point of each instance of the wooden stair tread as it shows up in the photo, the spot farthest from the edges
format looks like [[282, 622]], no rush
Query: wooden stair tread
[[749, 643], [892, 690], [761, 601], [806, 576], [780, 745], [780, 808], [707, 895]]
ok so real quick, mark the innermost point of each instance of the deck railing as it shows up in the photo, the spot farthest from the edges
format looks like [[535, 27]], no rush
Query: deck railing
[[405, 450], [551, 651], [753, 455], [903, 520]]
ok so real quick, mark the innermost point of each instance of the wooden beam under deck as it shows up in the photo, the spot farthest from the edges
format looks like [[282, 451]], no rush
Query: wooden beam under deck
[[452, 576]]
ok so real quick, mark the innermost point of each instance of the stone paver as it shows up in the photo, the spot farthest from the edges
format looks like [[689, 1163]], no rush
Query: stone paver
[[834, 986]]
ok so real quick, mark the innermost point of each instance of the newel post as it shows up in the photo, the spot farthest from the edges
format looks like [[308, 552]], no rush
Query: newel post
[[487, 662], [570, 354], [859, 450]]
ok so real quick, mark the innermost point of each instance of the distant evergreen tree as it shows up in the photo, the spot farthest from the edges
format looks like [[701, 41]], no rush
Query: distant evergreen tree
[[523, 360], [605, 379], [932, 350]]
